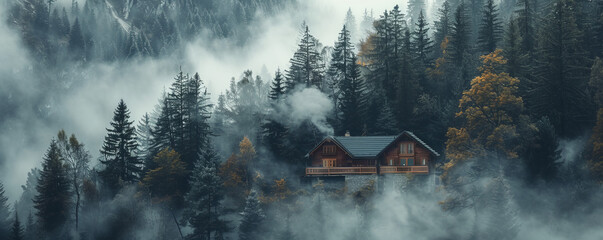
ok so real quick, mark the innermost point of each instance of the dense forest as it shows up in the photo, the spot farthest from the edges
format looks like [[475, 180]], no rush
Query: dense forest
[[509, 91]]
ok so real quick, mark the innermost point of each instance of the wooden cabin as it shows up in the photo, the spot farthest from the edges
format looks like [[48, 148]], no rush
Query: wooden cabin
[[365, 155]]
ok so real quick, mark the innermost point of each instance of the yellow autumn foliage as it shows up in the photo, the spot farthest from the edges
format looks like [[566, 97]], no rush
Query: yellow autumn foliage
[[165, 182], [489, 110], [595, 164]]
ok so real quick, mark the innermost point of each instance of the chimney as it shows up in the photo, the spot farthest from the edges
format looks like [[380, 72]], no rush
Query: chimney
[[347, 133]]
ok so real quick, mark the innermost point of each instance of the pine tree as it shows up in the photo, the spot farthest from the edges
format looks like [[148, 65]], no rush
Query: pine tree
[[178, 103], [253, 217], [543, 156], [353, 101], [443, 25], [422, 44], [4, 212], [386, 54], [275, 132], [460, 36], [30, 228], [163, 133], [407, 87], [490, 30], [516, 58], [65, 25], [415, 9], [277, 90], [77, 45], [197, 129], [525, 21], [118, 153], [306, 65], [560, 88], [386, 123], [204, 198], [350, 24], [53, 200], [342, 59], [144, 136], [17, 232], [502, 223]]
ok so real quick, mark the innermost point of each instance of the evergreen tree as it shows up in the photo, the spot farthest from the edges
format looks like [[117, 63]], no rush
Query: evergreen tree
[[30, 228], [422, 44], [490, 30], [17, 232], [560, 88], [77, 45], [525, 21], [253, 216], [543, 157], [306, 65], [386, 54], [53, 200], [350, 25], [502, 223], [415, 9], [196, 126], [460, 36], [144, 136], [443, 25], [65, 25], [407, 87], [277, 90], [516, 57], [342, 59], [386, 123], [118, 153], [179, 105], [4, 212], [163, 133], [204, 198], [353, 101], [275, 132]]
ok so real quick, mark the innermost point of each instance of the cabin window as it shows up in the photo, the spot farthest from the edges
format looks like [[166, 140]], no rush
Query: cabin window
[[328, 150], [423, 162], [402, 162], [328, 163], [391, 162], [402, 148], [411, 162], [411, 148]]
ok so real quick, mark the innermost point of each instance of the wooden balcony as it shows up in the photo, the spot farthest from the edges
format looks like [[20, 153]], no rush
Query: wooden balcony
[[404, 169], [340, 170]]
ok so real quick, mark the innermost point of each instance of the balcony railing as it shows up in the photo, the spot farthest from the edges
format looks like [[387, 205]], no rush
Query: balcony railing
[[404, 169], [340, 170]]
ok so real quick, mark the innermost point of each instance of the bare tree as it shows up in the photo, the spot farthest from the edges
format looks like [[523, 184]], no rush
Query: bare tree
[[76, 159]]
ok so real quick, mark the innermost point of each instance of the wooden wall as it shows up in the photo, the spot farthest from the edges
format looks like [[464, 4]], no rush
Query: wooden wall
[[393, 153]]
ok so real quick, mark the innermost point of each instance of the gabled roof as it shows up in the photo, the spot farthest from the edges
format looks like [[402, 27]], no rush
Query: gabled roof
[[413, 136], [369, 146], [364, 146]]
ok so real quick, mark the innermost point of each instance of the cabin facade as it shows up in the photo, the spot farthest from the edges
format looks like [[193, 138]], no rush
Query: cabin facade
[[370, 155]]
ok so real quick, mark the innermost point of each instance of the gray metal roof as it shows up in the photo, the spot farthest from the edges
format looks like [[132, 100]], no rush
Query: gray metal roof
[[370, 146], [364, 146]]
